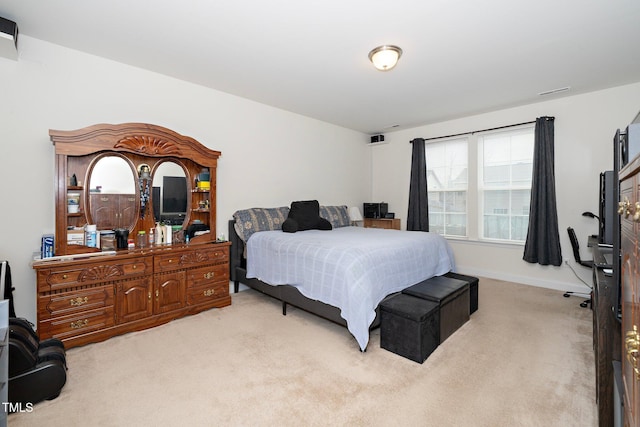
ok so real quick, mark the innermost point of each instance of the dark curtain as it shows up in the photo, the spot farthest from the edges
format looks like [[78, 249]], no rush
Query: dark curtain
[[543, 241], [418, 216]]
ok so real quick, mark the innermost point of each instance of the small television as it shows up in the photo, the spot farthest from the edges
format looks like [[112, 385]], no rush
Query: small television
[[172, 199]]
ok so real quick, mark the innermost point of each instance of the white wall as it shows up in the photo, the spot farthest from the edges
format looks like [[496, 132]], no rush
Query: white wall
[[584, 130], [269, 156]]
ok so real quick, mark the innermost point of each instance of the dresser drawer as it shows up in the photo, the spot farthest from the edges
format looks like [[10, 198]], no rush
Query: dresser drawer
[[390, 224], [205, 275], [67, 303], [61, 277], [208, 254], [77, 324], [206, 293]]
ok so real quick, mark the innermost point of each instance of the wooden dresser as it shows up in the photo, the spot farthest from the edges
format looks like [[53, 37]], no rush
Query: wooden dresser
[[84, 301], [388, 223], [117, 178], [630, 296]]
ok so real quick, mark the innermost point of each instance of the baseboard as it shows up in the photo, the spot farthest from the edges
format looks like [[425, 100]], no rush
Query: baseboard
[[525, 280]]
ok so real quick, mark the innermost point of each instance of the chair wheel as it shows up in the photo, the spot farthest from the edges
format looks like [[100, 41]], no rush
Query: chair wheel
[[567, 295], [583, 304]]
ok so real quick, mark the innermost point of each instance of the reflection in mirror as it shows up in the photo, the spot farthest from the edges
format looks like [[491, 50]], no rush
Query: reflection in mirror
[[112, 194], [169, 194]]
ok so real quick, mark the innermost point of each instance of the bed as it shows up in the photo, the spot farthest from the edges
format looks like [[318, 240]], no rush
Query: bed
[[340, 274]]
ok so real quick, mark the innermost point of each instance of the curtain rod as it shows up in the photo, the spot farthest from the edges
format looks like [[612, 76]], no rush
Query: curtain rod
[[484, 130]]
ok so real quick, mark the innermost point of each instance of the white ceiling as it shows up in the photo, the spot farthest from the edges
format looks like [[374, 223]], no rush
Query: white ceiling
[[461, 57]]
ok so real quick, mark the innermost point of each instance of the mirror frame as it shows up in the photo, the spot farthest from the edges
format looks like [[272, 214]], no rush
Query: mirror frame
[[134, 175], [140, 143]]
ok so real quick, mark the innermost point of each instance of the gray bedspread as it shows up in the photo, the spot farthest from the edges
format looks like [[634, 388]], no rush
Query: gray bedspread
[[352, 268]]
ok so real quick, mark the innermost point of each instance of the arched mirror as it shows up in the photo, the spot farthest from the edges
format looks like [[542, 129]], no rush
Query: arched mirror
[[112, 194], [170, 193]]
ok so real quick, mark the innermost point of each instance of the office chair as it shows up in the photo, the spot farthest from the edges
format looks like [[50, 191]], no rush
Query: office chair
[[585, 263]]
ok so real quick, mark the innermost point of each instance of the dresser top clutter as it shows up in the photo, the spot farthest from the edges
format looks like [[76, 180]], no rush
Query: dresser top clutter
[[153, 191]]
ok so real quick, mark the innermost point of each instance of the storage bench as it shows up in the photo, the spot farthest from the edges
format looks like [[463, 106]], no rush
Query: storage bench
[[451, 295], [409, 326], [473, 288]]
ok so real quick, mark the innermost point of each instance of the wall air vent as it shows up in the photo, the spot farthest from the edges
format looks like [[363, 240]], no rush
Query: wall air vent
[[8, 39]]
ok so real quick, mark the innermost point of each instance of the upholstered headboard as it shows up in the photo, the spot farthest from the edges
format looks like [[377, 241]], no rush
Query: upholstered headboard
[[245, 222]]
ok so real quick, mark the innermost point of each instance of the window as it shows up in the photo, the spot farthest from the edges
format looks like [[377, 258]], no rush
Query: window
[[447, 186], [506, 164], [489, 200]]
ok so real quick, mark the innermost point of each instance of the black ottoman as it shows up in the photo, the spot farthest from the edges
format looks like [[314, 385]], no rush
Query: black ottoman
[[473, 288], [452, 296], [409, 326]]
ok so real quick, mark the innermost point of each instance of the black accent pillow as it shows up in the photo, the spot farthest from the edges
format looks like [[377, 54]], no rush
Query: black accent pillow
[[305, 215]]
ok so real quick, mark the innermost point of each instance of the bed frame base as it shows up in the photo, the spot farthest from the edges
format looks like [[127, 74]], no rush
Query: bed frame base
[[287, 294]]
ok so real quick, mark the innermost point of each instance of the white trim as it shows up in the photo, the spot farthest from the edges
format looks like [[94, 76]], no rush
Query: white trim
[[525, 280]]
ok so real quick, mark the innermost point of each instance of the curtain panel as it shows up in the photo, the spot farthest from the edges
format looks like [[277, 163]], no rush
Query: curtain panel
[[542, 245], [418, 215]]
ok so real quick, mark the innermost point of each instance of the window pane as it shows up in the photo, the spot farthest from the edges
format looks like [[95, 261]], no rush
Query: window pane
[[520, 200], [456, 225], [505, 188], [436, 222], [436, 202], [496, 227], [519, 227], [447, 186]]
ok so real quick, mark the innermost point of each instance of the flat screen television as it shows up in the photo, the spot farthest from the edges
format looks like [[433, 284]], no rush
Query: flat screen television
[[607, 207], [170, 200], [174, 195], [613, 219]]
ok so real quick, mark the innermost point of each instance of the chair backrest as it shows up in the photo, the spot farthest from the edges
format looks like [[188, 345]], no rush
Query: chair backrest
[[574, 244]]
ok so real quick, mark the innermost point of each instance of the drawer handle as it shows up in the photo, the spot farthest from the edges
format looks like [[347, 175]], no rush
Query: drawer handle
[[64, 276], [209, 275], [170, 261], [79, 324], [77, 302], [135, 266], [632, 345], [209, 292], [624, 207]]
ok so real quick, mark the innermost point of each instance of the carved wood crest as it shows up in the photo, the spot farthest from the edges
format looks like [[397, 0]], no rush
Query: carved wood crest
[[149, 145], [100, 272], [194, 257]]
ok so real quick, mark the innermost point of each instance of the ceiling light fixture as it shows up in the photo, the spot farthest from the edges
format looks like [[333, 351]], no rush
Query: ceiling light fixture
[[385, 57]]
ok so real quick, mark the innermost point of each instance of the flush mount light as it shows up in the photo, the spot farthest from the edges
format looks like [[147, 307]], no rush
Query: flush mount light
[[385, 57]]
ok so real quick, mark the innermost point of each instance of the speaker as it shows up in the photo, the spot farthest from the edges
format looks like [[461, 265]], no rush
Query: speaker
[[384, 208], [371, 210], [8, 39]]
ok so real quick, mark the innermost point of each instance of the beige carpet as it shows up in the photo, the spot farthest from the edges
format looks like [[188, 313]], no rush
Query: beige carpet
[[524, 359]]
